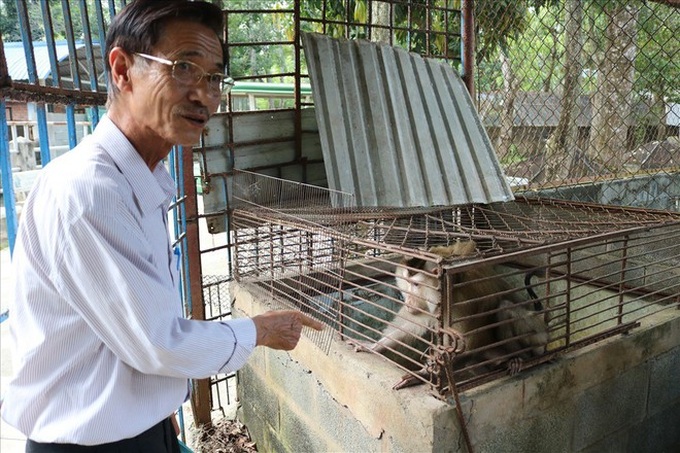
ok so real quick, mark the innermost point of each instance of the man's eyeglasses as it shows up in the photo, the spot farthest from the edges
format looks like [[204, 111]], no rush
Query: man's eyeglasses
[[188, 73]]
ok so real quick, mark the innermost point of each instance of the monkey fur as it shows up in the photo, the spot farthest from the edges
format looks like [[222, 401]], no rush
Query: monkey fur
[[491, 325]]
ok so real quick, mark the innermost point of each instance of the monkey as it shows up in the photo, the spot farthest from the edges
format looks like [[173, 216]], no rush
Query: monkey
[[475, 307], [405, 339], [520, 330], [412, 327], [523, 330]]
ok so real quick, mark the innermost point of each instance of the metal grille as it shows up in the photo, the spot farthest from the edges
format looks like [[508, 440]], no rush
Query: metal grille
[[79, 79], [217, 300], [597, 271]]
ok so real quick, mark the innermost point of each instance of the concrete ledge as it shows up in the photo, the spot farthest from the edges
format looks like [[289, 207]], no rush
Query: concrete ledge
[[610, 396]]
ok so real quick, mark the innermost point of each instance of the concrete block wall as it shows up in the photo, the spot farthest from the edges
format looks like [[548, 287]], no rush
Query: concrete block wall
[[619, 395], [653, 191]]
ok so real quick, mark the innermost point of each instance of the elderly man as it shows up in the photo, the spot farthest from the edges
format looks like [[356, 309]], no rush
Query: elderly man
[[103, 352]]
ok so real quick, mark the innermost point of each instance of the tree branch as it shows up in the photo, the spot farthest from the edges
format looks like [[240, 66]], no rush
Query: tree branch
[[673, 3]]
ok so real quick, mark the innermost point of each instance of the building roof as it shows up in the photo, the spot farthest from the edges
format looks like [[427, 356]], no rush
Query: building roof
[[15, 55], [16, 59]]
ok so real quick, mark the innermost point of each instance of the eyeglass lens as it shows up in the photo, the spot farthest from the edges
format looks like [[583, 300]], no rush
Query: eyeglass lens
[[190, 73]]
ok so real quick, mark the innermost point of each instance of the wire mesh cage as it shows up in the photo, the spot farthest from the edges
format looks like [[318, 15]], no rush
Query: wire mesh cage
[[457, 296]]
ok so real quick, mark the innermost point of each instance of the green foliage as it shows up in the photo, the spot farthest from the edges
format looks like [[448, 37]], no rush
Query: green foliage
[[498, 22], [9, 22], [513, 156], [537, 53], [530, 43], [657, 63]]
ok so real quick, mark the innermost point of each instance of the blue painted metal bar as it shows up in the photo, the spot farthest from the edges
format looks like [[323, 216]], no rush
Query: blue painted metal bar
[[72, 51], [183, 219], [7, 184], [112, 7], [180, 412], [178, 211], [27, 39], [94, 116], [179, 223], [71, 125], [5, 162], [75, 74], [51, 48], [102, 38], [43, 135], [89, 49], [33, 78]]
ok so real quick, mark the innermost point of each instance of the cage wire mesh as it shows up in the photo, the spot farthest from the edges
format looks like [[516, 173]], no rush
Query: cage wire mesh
[[581, 102], [301, 258], [583, 93], [458, 295]]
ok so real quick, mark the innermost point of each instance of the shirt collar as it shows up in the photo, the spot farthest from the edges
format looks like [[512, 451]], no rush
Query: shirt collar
[[153, 190]]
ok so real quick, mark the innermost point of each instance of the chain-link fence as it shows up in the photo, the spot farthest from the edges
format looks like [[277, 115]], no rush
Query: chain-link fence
[[584, 93]]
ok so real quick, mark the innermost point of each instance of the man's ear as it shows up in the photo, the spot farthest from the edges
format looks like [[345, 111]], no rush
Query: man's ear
[[121, 65]]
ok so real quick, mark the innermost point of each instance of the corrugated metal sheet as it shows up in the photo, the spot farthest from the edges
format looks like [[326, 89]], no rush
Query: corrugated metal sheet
[[398, 129], [18, 70], [16, 59]]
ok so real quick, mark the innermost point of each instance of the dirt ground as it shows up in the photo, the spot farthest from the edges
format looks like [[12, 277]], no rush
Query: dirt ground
[[225, 436]]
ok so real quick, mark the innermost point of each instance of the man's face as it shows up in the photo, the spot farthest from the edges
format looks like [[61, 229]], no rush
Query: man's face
[[168, 112]]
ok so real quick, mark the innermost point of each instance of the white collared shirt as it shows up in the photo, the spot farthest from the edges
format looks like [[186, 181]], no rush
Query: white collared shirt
[[101, 350]]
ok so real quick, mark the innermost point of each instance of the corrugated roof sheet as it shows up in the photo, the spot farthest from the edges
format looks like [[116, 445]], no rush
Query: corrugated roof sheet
[[16, 59], [398, 129]]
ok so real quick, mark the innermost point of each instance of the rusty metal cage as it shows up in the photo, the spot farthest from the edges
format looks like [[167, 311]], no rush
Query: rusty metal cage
[[585, 272]]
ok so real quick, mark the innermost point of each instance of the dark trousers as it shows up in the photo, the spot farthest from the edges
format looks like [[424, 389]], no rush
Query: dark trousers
[[158, 439]]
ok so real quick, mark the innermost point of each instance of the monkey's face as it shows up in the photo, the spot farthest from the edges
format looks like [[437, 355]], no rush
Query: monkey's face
[[420, 291]]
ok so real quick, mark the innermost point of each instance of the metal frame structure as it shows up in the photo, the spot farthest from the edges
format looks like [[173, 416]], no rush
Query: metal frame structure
[[222, 137], [603, 269], [220, 158]]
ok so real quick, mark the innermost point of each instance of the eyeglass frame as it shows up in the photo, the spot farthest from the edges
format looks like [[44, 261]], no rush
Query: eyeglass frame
[[227, 81]]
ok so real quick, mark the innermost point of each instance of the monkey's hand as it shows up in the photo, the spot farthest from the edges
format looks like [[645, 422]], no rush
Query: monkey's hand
[[358, 345], [515, 365], [415, 378]]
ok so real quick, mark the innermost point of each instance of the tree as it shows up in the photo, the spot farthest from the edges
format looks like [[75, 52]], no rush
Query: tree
[[612, 101], [9, 20], [656, 64], [561, 147], [500, 24]]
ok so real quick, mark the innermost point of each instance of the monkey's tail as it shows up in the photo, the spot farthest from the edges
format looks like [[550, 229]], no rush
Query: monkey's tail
[[538, 306]]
